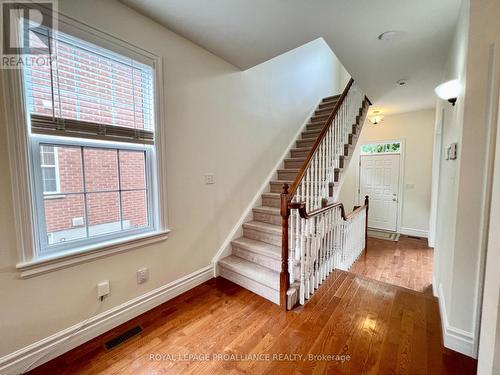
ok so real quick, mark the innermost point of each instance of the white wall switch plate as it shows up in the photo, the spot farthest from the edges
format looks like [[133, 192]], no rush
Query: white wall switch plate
[[142, 275], [210, 178], [103, 288]]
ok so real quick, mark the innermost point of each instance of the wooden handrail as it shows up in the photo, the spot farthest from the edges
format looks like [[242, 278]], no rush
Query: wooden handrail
[[305, 165], [301, 206]]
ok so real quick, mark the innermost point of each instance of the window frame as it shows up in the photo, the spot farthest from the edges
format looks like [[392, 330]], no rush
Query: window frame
[[37, 141], [31, 261]]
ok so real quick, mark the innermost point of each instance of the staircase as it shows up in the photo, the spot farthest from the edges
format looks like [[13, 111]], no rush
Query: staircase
[[255, 262]]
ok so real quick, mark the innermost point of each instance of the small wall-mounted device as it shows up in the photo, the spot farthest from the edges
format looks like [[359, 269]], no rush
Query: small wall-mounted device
[[142, 275], [451, 151], [210, 178], [102, 289]]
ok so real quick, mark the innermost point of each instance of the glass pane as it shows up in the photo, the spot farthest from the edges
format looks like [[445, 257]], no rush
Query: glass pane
[[101, 169], [65, 218], [91, 84], [103, 211], [135, 209], [49, 179], [132, 170], [67, 170], [47, 155], [69, 162]]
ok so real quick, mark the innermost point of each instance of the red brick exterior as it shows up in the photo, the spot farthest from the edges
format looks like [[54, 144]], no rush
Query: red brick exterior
[[97, 89], [101, 174]]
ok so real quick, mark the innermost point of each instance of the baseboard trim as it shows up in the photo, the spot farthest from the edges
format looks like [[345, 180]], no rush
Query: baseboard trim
[[65, 340], [413, 232], [435, 291], [455, 338]]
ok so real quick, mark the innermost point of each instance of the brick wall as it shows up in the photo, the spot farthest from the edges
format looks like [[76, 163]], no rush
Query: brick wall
[[97, 89], [101, 174]]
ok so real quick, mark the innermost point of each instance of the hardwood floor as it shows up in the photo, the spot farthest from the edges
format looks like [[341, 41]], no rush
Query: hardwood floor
[[406, 263], [372, 328]]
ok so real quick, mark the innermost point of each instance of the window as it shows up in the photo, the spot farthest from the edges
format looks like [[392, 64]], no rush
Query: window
[[93, 145], [50, 169], [381, 148]]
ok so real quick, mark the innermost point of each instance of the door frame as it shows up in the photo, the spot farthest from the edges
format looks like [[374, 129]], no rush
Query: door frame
[[401, 182]]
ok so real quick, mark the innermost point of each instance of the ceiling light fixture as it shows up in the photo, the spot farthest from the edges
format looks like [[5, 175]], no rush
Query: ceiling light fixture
[[377, 119], [449, 91]]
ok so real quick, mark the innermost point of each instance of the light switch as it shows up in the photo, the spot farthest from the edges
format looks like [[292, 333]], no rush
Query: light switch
[[210, 178]]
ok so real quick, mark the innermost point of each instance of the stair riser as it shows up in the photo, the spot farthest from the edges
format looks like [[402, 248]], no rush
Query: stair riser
[[319, 118], [243, 281], [300, 153], [305, 142], [331, 99], [324, 111], [267, 218], [310, 134], [330, 105], [315, 127], [262, 236], [285, 175], [265, 261], [278, 187], [293, 163], [271, 202]]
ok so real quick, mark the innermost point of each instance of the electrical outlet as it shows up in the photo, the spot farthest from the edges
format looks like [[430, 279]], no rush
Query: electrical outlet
[[142, 275], [209, 179], [103, 289]]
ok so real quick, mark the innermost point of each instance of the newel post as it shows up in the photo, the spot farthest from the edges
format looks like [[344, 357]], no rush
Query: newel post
[[367, 204], [284, 275]]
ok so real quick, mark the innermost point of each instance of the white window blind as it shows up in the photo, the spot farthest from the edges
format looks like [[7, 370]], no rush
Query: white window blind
[[90, 92]]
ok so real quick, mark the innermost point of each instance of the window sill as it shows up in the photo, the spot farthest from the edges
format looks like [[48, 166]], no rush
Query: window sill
[[54, 262], [54, 196]]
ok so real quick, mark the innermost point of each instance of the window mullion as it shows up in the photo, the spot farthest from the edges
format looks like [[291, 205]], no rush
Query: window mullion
[[84, 182], [120, 202]]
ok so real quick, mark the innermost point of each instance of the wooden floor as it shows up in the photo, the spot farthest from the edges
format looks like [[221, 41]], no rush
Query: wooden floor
[[407, 263], [365, 326]]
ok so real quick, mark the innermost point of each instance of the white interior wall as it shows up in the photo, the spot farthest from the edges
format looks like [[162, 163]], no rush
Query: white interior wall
[[219, 120], [462, 182], [417, 130], [489, 346]]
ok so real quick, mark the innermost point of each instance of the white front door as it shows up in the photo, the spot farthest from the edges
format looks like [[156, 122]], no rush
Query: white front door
[[379, 179]]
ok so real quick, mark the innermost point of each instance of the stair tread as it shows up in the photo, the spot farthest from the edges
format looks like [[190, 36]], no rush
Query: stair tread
[[329, 98], [271, 195], [268, 210], [258, 246], [300, 158], [262, 227], [252, 270]]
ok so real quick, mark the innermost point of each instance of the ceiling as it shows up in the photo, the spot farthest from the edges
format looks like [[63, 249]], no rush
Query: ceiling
[[249, 32]]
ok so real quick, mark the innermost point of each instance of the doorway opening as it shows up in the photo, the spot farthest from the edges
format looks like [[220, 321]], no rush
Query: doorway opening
[[380, 177], [393, 258]]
